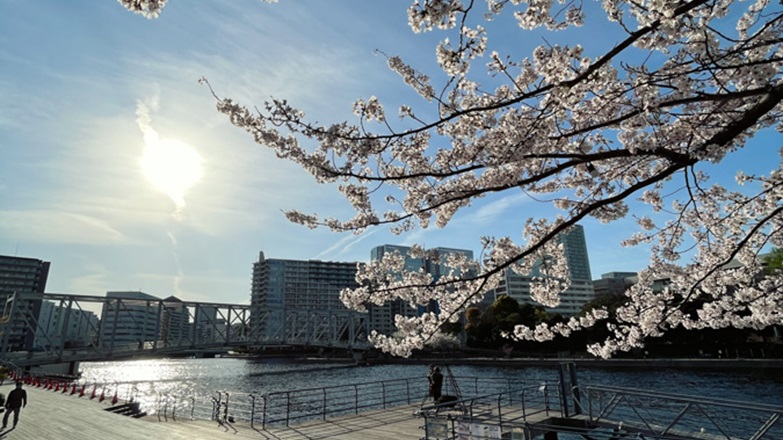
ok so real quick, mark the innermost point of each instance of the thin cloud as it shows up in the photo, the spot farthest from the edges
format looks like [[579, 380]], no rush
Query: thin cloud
[[344, 245], [54, 226], [492, 211]]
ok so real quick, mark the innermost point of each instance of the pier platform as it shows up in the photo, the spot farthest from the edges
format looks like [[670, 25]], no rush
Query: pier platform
[[51, 415]]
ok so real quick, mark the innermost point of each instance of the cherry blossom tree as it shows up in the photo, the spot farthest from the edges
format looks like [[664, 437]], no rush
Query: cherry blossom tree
[[685, 85]]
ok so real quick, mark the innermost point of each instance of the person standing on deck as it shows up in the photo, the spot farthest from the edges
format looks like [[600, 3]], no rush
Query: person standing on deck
[[436, 383], [16, 400]]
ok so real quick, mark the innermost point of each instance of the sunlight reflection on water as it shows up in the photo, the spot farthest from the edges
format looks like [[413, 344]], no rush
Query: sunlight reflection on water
[[202, 378]]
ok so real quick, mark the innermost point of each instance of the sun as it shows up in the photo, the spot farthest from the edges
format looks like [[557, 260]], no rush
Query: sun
[[172, 166]]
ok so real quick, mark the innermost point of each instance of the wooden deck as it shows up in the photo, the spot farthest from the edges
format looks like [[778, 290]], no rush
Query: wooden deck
[[51, 415]]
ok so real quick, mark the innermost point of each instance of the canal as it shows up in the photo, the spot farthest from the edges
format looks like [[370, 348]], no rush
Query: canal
[[201, 378]]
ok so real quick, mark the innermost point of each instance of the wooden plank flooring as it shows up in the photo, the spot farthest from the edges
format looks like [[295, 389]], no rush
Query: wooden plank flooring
[[51, 415]]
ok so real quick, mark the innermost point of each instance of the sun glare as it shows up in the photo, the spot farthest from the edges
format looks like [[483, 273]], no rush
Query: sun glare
[[172, 166]]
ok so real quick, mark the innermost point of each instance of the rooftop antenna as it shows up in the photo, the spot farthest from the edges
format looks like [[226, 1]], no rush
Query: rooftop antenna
[[16, 251]]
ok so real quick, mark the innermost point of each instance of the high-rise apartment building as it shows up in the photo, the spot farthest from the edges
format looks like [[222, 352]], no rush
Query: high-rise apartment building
[[129, 321], [174, 329], [295, 284], [437, 265], [581, 289], [382, 317], [614, 283], [19, 274], [20, 278], [63, 327]]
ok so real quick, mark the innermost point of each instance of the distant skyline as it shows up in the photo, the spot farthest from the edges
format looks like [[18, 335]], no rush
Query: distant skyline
[[117, 168]]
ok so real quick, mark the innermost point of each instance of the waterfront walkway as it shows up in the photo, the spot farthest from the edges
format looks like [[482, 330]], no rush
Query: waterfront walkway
[[55, 416]]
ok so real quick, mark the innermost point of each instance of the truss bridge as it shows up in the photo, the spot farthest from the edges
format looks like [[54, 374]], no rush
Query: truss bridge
[[50, 328]]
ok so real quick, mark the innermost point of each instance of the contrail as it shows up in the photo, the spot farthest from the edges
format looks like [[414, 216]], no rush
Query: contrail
[[180, 274]]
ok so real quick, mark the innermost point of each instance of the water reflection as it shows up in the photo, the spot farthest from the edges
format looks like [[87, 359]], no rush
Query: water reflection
[[201, 378]]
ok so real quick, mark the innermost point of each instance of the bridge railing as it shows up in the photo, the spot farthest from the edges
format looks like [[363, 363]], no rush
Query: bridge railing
[[659, 414], [116, 327]]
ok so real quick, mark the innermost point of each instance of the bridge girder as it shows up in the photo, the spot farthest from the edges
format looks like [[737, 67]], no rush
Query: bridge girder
[[132, 327]]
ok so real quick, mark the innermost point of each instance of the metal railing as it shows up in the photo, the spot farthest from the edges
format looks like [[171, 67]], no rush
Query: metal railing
[[287, 407], [666, 415], [504, 410]]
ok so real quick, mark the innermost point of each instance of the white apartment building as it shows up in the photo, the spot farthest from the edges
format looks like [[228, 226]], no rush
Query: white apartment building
[[577, 295], [130, 320], [61, 327]]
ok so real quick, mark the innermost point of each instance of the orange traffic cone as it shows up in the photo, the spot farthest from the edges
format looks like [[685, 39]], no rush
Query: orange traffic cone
[[57, 387]]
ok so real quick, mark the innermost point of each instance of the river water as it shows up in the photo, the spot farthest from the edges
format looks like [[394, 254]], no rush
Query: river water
[[203, 377]]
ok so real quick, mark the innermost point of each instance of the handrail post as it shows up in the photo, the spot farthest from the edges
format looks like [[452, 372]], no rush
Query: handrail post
[[252, 409], [323, 413], [192, 407], [524, 410], [174, 410], [263, 419], [287, 407], [500, 411], [225, 409], [158, 406], [589, 405], [575, 394]]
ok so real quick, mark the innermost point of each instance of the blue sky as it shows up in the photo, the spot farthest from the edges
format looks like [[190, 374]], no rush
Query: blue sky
[[82, 84]]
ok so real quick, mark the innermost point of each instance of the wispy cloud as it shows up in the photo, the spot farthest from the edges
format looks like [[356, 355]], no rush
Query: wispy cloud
[[490, 212], [346, 244], [54, 226]]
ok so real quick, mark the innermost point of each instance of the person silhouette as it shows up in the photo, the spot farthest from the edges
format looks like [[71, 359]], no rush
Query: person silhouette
[[436, 383], [17, 399]]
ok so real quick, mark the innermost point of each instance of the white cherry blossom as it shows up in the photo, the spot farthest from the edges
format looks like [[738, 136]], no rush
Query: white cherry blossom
[[685, 83]]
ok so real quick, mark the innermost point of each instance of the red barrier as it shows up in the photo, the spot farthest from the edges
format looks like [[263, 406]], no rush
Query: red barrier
[[81, 393], [103, 395], [114, 399], [93, 391]]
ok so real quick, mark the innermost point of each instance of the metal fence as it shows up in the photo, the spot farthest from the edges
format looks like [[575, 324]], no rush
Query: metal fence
[[658, 415], [504, 411], [284, 408]]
